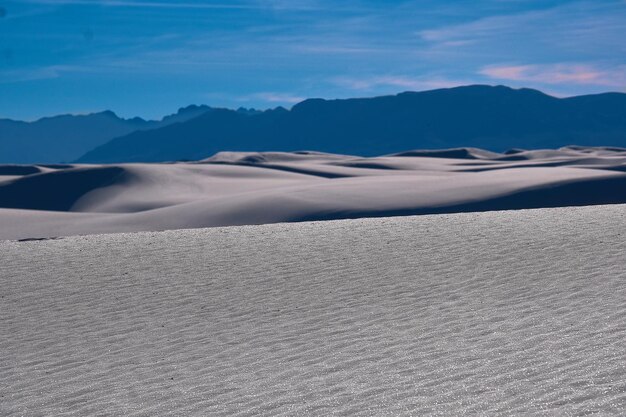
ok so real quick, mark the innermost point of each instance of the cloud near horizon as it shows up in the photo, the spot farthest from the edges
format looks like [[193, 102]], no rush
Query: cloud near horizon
[[395, 82], [146, 57], [274, 97], [564, 73]]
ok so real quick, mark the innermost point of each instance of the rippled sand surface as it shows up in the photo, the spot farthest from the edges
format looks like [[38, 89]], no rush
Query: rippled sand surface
[[498, 313]]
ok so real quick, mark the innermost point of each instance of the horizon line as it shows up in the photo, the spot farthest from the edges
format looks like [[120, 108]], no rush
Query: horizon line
[[289, 108]]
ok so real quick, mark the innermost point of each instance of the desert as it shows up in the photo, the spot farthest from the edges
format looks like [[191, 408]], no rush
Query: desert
[[312, 208], [496, 313], [243, 188]]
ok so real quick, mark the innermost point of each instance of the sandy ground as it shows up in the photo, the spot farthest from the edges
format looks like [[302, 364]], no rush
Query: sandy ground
[[498, 313], [259, 188]]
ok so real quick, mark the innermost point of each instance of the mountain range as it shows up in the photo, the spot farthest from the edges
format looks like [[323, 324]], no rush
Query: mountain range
[[490, 117], [65, 138]]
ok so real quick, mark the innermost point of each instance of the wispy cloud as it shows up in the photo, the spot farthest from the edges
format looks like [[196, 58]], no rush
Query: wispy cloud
[[280, 51], [396, 82], [8, 76], [174, 4], [273, 97], [563, 73], [569, 29]]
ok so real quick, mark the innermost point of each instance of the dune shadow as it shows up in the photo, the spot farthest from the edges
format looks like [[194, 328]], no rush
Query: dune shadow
[[18, 169], [554, 164], [365, 165], [453, 153], [56, 166], [585, 163], [587, 192], [303, 171], [616, 168], [57, 190]]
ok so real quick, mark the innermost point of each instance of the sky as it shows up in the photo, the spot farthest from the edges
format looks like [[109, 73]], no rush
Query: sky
[[147, 58]]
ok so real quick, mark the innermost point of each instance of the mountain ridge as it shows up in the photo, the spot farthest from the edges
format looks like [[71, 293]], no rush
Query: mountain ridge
[[490, 117], [65, 137]]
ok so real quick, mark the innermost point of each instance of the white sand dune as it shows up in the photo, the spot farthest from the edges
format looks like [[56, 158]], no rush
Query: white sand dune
[[500, 313], [256, 188]]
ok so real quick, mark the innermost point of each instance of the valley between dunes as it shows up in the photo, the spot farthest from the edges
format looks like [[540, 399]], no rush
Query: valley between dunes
[[499, 313], [239, 188]]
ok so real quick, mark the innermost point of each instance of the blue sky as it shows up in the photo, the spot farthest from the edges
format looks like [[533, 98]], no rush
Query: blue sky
[[149, 57]]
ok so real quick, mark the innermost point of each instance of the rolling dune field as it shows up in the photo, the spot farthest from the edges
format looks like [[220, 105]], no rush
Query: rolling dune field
[[38, 201]]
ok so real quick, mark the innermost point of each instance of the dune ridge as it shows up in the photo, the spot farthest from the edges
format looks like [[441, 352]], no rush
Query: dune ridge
[[238, 188]]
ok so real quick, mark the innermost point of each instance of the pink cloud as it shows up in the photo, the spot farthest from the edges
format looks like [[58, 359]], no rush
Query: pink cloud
[[273, 97], [583, 74], [401, 82]]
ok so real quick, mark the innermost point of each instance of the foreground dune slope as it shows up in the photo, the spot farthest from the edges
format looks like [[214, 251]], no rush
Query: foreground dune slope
[[498, 313], [238, 188]]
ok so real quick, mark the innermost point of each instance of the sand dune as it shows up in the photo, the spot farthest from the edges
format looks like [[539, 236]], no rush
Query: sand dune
[[237, 188], [502, 313]]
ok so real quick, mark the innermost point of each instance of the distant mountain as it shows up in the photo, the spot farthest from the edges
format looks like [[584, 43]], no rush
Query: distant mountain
[[496, 118], [65, 138]]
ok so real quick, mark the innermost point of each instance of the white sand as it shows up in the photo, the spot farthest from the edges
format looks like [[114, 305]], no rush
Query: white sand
[[257, 188], [500, 313]]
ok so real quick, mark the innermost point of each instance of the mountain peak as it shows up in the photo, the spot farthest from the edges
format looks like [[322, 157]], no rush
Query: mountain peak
[[193, 108], [186, 113], [307, 104], [108, 113]]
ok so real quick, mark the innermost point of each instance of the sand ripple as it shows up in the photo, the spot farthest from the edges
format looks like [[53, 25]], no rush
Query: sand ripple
[[501, 313]]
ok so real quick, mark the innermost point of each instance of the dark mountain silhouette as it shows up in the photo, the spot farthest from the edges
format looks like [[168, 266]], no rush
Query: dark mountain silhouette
[[495, 118], [67, 137]]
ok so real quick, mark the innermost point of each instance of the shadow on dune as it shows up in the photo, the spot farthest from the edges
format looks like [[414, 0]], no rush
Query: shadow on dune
[[588, 163], [56, 191], [295, 170], [455, 153], [18, 170], [365, 165], [56, 166], [587, 192], [618, 168]]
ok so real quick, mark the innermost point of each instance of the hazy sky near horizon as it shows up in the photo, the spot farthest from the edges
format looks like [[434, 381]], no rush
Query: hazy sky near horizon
[[149, 57]]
